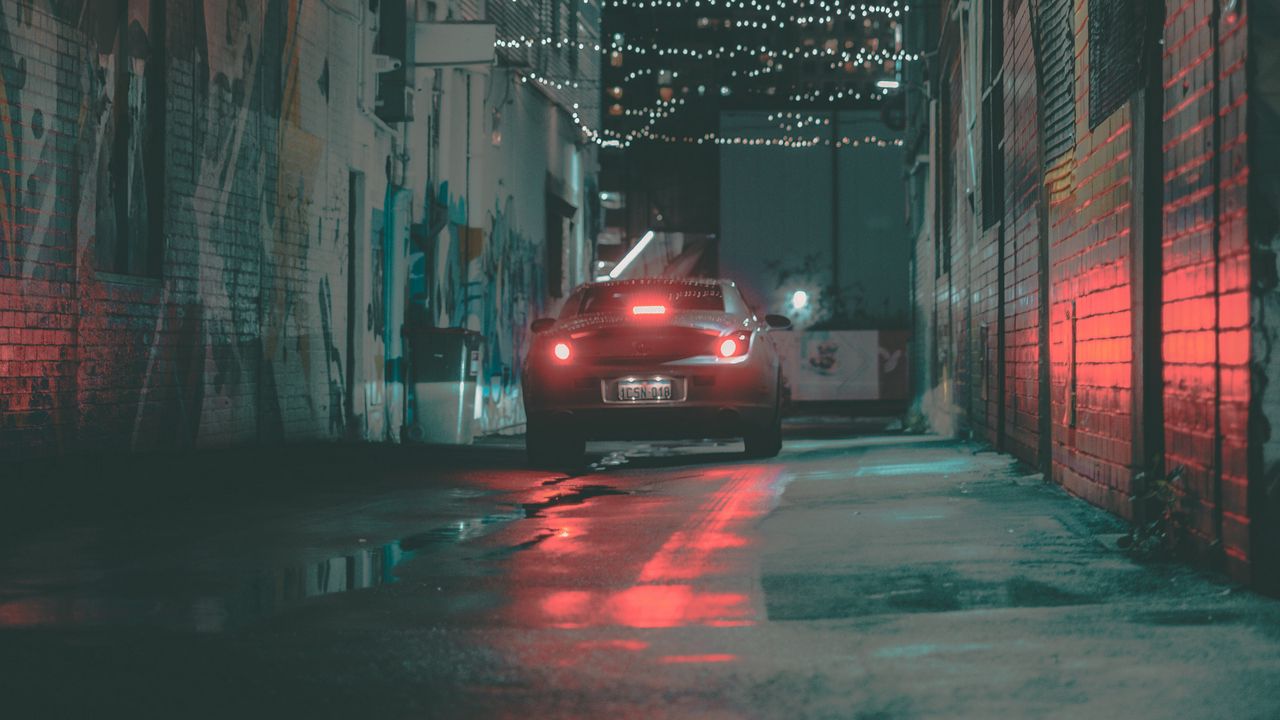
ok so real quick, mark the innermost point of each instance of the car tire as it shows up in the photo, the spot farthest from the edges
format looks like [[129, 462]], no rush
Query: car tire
[[766, 441], [548, 447]]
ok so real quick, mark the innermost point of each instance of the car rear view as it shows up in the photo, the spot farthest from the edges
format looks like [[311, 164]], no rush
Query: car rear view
[[651, 359]]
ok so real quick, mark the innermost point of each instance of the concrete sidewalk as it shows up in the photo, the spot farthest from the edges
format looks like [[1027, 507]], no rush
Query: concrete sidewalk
[[967, 587]]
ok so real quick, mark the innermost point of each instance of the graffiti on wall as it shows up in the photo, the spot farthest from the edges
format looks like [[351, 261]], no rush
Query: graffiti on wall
[[510, 298], [493, 282], [174, 200]]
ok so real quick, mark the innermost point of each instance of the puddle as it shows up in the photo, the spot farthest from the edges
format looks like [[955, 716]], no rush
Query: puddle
[[940, 467], [796, 596], [457, 532], [251, 598], [576, 496], [121, 597]]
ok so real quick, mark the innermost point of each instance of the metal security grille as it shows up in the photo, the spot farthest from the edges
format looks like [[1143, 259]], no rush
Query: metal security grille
[[1115, 46], [1057, 42]]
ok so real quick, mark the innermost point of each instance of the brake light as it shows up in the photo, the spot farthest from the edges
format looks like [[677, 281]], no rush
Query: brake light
[[649, 310], [729, 346], [562, 351]]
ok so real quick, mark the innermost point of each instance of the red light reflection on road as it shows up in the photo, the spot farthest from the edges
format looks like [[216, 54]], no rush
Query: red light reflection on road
[[683, 659], [677, 585], [690, 552], [660, 606], [661, 561], [647, 606]]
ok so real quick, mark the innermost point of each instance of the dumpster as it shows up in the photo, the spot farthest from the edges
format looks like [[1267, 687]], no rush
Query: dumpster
[[445, 363]]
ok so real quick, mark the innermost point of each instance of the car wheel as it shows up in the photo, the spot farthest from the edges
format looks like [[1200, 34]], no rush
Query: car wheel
[[766, 441], [549, 447]]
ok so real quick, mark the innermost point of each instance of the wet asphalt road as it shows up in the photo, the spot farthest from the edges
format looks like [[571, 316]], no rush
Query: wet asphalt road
[[853, 577]]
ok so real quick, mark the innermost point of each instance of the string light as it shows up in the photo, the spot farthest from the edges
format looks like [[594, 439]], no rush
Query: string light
[[721, 53], [760, 5], [549, 82], [662, 110], [842, 94], [711, 138], [554, 43], [636, 74], [766, 53], [774, 22]]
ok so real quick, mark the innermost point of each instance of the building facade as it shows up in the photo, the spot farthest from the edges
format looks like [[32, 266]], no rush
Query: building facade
[[718, 113], [1095, 225], [216, 219]]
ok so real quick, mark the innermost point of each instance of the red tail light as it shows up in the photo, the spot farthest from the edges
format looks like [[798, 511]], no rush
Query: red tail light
[[649, 310], [732, 346], [562, 351]]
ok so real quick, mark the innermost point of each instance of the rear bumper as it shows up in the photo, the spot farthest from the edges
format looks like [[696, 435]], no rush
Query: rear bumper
[[722, 401], [673, 422]]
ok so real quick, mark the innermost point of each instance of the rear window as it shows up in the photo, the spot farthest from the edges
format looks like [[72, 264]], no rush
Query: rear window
[[674, 296]]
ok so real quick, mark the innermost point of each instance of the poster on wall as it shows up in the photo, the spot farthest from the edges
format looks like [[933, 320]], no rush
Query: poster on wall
[[844, 365]]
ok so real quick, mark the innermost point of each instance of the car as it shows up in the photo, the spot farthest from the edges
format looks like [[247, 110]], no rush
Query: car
[[652, 359]]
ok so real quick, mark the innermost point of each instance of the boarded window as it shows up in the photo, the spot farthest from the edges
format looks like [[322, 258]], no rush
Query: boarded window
[[1057, 43], [1115, 47]]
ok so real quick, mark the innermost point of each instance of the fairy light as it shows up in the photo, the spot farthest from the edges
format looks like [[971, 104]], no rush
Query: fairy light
[[720, 53], [861, 9], [549, 82]]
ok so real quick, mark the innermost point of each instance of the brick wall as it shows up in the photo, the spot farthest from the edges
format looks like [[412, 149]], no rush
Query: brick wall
[[176, 231], [41, 109], [1206, 260], [1022, 239], [1207, 266], [1090, 346]]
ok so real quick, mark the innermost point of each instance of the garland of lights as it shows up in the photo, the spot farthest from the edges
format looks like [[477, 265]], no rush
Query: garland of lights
[[557, 84], [787, 141], [663, 110], [842, 94], [787, 122], [720, 53], [798, 53], [759, 5], [641, 72]]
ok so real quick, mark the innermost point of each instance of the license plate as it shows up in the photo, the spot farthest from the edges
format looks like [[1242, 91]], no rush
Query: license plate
[[645, 390]]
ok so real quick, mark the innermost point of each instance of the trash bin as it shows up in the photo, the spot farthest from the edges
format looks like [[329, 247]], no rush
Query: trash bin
[[445, 364]]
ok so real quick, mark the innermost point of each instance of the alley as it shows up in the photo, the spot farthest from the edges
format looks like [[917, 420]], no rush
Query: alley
[[869, 576]]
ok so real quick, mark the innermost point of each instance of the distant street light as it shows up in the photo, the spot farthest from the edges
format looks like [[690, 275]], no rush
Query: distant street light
[[799, 300]]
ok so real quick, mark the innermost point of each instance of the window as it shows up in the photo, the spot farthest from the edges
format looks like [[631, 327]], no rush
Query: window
[[1057, 44], [675, 296], [131, 192], [992, 112], [1115, 49], [947, 144]]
